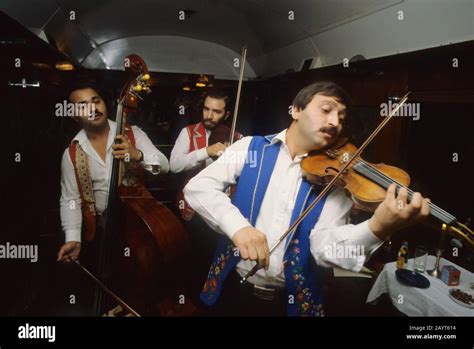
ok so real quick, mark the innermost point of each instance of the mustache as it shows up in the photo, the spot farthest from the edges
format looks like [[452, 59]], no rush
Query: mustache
[[212, 123], [93, 115], [331, 130], [96, 113]]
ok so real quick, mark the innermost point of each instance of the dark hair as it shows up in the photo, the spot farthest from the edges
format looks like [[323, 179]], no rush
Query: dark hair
[[81, 85], [325, 88], [217, 93]]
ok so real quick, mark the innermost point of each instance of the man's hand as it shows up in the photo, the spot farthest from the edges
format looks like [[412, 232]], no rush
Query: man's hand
[[120, 150], [216, 149], [252, 244], [395, 212], [69, 252]]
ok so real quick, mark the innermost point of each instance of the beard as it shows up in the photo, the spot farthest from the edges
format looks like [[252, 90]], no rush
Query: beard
[[209, 125]]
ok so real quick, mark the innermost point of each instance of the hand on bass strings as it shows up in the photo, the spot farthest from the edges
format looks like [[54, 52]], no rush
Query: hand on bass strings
[[120, 150]]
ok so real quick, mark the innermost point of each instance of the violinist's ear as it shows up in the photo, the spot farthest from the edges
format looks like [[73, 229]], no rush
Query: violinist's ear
[[226, 116], [295, 112]]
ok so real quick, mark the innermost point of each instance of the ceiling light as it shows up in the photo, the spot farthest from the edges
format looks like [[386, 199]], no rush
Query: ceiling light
[[64, 66]]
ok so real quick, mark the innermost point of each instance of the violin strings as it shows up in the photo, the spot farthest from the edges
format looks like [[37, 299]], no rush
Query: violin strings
[[410, 192], [384, 180], [388, 180], [436, 211]]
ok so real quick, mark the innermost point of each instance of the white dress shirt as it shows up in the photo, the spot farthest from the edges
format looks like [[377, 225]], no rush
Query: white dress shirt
[[183, 160], [70, 203], [204, 193]]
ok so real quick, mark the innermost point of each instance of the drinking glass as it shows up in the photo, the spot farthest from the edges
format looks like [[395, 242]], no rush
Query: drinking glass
[[421, 255]]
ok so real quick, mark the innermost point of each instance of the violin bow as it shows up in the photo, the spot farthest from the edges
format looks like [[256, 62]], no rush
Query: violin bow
[[239, 90], [328, 187]]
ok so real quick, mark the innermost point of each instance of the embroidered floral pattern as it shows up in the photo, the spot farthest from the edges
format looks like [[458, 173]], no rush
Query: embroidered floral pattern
[[82, 165], [305, 302], [215, 273]]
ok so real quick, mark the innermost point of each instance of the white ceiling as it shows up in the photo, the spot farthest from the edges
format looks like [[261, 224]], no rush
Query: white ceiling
[[105, 31]]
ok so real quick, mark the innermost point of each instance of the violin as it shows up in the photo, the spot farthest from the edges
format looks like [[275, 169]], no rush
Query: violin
[[341, 165], [219, 134], [222, 134], [367, 183]]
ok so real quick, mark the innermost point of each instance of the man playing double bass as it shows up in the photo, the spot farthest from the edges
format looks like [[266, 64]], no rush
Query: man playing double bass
[[269, 197], [86, 165]]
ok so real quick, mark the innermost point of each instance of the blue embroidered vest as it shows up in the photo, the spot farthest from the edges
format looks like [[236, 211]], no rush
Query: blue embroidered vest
[[303, 281]]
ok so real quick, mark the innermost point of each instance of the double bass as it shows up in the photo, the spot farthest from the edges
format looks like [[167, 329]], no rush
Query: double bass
[[144, 246]]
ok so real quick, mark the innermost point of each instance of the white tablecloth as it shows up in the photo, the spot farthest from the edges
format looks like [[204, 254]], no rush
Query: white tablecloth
[[431, 301]]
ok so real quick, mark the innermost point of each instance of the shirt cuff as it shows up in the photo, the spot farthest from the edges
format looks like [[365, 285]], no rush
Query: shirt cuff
[[151, 163], [73, 235], [364, 236], [150, 159], [201, 154], [232, 222]]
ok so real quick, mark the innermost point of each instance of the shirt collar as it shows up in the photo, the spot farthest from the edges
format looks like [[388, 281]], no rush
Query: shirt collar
[[81, 136], [84, 142], [281, 137]]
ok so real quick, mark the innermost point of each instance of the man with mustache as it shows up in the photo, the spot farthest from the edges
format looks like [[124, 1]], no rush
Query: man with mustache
[[269, 197], [191, 153], [95, 143], [191, 150]]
